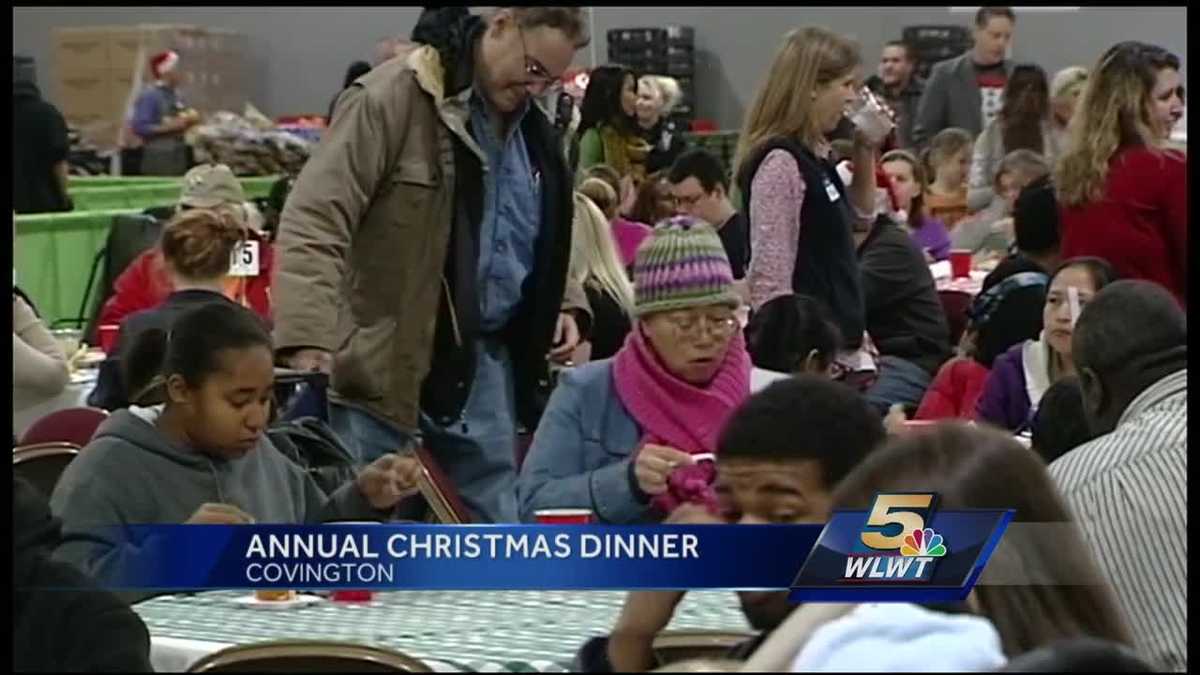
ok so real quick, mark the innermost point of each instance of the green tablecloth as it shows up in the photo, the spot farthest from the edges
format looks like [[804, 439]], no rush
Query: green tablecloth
[[470, 631]]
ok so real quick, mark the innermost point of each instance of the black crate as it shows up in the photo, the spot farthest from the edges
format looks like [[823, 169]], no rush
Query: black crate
[[681, 35], [637, 36], [952, 33], [677, 70]]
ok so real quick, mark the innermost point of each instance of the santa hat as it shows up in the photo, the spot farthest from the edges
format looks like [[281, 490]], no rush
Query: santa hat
[[163, 62]]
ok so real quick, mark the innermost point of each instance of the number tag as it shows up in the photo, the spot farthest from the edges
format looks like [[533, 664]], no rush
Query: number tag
[[831, 190], [244, 262]]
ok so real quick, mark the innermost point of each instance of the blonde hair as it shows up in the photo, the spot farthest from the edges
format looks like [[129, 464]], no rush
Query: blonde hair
[[1114, 110], [594, 257], [1025, 166], [667, 88], [944, 146], [601, 194], [808, 59]]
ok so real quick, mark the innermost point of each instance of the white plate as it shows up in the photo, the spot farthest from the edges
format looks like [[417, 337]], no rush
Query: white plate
[[299, 601]]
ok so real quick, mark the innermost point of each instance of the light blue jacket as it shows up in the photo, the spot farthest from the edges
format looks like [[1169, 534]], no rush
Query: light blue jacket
[[582, 450]]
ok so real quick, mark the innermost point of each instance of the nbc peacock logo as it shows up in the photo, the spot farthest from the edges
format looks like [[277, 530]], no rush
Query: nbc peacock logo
[[894, 544], [923, 542]]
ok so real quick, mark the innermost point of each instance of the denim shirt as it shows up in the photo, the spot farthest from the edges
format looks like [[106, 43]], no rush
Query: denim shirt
[[512, 214]]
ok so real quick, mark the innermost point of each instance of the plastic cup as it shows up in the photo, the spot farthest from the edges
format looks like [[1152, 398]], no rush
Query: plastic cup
[[108, 336], [960, 263], [869, 116], [563, 516], [352, 596]]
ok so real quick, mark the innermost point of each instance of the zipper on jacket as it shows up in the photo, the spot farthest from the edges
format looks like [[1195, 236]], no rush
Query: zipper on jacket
[[453, 314]]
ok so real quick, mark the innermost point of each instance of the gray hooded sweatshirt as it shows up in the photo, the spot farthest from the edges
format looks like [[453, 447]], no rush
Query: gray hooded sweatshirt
[[131, 474]]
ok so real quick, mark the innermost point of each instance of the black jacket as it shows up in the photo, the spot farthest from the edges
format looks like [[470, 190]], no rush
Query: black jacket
[[75, 627], [39, 143], [904, 315], [455, 34], [112, 392], [826, 266]]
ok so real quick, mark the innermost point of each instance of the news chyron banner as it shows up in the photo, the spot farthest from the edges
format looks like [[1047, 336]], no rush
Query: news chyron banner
[[902, 549]]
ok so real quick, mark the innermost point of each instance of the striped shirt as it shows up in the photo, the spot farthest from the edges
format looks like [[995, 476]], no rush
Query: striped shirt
[[1128, 489]]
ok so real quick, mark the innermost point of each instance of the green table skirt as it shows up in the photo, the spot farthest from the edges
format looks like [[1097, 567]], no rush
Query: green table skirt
[[54, 251]]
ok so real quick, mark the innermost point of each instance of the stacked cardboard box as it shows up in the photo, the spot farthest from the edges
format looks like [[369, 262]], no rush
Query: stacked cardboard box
[[101, 69]]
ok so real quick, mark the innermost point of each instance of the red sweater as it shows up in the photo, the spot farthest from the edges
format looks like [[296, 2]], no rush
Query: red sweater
[[1140, 225], [954, 391], [145, 285]]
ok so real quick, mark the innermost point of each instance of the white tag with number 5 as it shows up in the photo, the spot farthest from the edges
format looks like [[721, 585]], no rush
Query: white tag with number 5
[[244, 262]]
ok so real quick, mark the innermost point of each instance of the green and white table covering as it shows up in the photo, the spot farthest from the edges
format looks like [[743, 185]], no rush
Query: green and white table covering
[[518, 631]]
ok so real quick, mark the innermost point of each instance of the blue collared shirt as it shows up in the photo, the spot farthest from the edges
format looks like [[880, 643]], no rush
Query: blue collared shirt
[[512, 215]]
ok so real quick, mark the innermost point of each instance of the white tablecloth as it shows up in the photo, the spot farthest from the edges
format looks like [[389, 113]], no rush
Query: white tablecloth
[[74, 396]]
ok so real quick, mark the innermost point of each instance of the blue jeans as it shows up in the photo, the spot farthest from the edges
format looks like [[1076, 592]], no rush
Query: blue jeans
[[478, 452], [899, 381]]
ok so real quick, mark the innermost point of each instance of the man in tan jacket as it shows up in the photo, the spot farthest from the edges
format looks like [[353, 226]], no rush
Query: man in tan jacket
[[424, 248]]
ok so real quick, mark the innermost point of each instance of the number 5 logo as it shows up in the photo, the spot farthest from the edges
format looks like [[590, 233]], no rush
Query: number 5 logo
[[890, 510]]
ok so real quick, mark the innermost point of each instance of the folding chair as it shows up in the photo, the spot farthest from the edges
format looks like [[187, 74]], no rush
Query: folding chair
[[955, 304], [679, 645], [308, 656], [43, 464], [72, 425], [129, 236]]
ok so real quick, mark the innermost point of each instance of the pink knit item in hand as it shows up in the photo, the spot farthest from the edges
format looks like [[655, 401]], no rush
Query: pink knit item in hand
[[689, 484]]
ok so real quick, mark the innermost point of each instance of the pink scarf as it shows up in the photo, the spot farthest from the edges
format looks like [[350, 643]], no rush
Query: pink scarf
[[629, 235], [677, 414]]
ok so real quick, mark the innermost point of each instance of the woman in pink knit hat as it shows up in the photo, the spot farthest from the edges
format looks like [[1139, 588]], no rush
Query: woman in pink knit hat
[[632, 437]]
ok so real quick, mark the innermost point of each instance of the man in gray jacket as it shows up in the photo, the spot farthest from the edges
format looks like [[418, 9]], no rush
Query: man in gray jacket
[[966, 91]]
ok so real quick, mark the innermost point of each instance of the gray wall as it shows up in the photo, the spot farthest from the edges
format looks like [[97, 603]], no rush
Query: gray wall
[[300, 53]]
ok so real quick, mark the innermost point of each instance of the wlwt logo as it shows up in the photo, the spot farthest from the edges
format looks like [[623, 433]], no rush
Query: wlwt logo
[[903, 549], [895, 544]]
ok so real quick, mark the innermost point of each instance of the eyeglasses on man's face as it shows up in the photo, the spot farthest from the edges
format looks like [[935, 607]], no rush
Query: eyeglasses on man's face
[[541, 81]]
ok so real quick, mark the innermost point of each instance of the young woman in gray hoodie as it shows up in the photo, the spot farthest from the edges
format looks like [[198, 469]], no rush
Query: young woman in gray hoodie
[[202, 456]]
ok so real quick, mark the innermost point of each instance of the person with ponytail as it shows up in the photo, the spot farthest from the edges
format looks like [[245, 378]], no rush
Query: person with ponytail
[[145, 283], [196, 248], [202, 456]]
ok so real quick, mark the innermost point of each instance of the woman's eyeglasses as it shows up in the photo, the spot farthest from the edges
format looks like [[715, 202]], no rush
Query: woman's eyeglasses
[[690, 325]]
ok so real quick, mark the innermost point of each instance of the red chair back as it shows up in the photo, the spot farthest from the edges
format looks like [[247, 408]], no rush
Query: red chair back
[[43, 464], [440, 491], [701, 126], [955, 304], [73, 425]]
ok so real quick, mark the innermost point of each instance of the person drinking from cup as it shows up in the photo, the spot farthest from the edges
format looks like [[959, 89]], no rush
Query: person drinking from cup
[[202, 457], [622, 436], [800, 211]]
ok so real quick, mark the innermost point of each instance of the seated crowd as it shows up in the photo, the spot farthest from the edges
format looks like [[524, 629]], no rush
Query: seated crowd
[[703, 344]]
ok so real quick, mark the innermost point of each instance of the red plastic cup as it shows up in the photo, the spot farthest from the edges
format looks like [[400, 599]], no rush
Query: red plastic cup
[[563, 516], [960, 263], [108, 336], [352, 596]]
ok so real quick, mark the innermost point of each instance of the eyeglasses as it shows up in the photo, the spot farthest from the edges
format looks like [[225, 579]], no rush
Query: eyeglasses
[[543, 81], [689, 325]]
